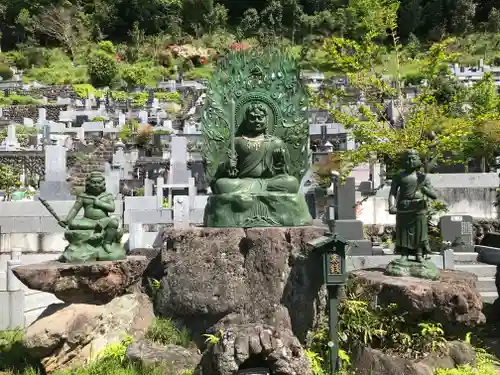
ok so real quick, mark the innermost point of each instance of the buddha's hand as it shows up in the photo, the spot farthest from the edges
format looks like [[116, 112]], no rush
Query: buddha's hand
[[279, 156]]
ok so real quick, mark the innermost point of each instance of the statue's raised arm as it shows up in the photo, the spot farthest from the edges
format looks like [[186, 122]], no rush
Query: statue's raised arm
[[255, 128]]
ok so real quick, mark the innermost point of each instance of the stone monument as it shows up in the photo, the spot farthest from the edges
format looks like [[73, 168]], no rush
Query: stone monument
[[96, 236], [408, 200], [255, 129]]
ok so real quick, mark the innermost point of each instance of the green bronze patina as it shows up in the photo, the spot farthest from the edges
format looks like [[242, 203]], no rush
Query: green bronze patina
[[408, 200], [96, 236], [255, 129]]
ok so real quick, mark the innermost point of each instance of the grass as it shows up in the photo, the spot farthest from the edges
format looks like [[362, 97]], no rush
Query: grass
[[165, 332], [14, 360]]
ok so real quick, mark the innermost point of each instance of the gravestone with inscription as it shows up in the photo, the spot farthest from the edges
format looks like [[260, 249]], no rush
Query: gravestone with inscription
[[346, 223], [458, 229]]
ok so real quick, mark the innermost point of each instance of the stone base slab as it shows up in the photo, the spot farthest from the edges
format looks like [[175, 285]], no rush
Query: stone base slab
[[245, 210], [91, 282]]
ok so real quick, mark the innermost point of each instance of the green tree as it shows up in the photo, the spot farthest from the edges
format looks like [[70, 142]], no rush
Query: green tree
[[494, 20], [66, 24], [102, 68], [249, 24], [423, 124], [9, 180], [271, 19]]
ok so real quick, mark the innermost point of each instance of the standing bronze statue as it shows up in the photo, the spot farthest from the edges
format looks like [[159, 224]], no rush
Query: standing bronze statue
[[408, 200]]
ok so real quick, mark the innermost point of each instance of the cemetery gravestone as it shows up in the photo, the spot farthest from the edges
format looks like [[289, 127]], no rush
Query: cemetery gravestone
[[143, 117], [459, 231], [55, 185], [345, 224], [179, 173]]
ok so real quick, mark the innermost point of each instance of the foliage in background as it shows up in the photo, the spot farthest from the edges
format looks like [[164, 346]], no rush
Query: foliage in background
[[422, 124]]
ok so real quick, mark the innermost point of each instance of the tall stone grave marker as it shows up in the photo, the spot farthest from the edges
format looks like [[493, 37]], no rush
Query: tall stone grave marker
[[346, 224], [179, 173], [458, 229], [55, 185], [143, 117], [10, 143], [121, 119]]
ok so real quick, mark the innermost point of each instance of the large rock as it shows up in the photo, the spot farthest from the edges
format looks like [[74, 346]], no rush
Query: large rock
[[251, 346], [237, 276], [91, 282], [453, 300], [175, 359], [67, 336], [368, 361]]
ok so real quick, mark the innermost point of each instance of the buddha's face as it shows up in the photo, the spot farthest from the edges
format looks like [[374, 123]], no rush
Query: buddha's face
[[256, 118]]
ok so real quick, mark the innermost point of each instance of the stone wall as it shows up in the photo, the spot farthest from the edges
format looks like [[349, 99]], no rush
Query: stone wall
[[50, 92], [17, 113], [89, 162], [387, 232]]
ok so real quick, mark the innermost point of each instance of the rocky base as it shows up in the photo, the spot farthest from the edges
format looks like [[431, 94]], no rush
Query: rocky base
[[68, 336], [92, 282], [214, 277], [404, 267], [267, 209], [369, 361], [249, 346], [176, 359], [452, 300]]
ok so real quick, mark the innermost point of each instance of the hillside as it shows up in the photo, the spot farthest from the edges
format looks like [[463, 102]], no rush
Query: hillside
[[55, 43]]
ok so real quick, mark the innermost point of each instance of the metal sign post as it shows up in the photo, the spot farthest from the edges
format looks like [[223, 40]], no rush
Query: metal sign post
[[333, 248]]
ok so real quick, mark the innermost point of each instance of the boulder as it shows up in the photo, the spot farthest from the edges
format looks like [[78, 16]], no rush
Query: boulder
[[250, 346], [90, 282], [368, 361], [175, 359], [67, 336], [219, 276], [452, 300]]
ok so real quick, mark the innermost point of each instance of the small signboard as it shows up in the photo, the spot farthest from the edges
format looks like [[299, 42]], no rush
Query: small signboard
[[459, 230]]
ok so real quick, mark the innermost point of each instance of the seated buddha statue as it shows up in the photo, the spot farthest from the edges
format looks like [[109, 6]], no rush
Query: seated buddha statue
[[260, 160]]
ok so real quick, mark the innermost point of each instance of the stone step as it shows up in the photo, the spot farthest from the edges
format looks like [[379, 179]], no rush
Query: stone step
[[465, 257], [486, 284], [481, 270], [489, 297]]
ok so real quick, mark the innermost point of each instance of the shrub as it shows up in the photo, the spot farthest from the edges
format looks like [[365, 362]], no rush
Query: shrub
[[18, 59], [23, 100], [97, 119], [108, 47], [37, 56], [165, 58], [139, 99], [5, 72], [102, 68], [134, 75], [83, 90], [169, 96]]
